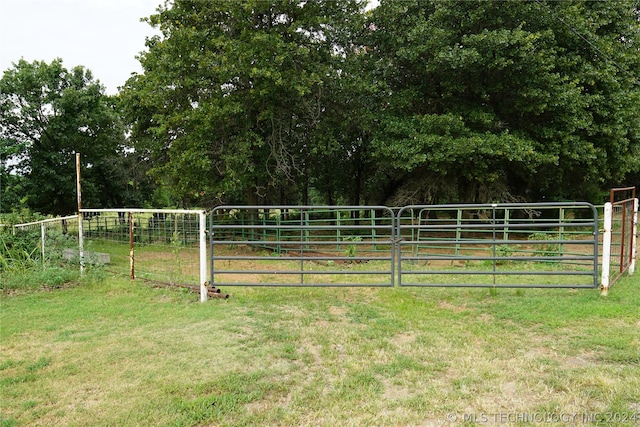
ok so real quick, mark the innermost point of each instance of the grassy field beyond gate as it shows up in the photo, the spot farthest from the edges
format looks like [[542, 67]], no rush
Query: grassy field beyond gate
[[117, 353]]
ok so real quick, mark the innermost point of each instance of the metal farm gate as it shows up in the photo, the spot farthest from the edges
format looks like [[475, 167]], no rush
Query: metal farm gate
[[302, 246], [552, 245], [498, 245]]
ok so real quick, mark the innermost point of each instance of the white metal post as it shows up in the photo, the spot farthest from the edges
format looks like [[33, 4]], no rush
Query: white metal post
[[606, 248], [80, 230], [42, 235], [203, 257], [634, 237]]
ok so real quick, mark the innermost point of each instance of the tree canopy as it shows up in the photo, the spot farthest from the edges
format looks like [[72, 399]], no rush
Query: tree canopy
[[47, 114], [413, 101], [233, 95], [283, 101], [537, 100]]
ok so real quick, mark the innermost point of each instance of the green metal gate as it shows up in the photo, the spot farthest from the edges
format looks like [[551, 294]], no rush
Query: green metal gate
[[550, 245]]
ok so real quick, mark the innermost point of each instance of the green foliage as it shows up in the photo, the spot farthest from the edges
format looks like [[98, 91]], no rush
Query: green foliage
[[521, 98], [352, 249], [21, 266], [325, 102], [545, 249], [19, 250], [37, 276], [233, 94], [21, 263], [47, 114]]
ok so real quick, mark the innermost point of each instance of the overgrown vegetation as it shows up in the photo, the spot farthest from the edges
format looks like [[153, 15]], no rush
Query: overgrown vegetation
[[22, 266]]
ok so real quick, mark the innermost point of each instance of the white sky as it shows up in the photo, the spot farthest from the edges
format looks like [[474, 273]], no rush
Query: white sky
[[102, 35]]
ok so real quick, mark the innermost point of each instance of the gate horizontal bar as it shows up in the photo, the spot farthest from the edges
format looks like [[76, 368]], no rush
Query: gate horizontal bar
[[304, 258], [502, 286], [497, 226], [496, 258], [498, 273], [429, 241]]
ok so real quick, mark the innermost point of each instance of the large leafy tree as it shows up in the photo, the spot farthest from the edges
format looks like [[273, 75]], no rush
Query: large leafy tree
[[233, 94], [289, 101], [49, 113], [496, 100]]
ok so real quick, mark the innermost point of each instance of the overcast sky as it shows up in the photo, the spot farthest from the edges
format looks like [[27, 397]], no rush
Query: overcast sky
[[101, 35]]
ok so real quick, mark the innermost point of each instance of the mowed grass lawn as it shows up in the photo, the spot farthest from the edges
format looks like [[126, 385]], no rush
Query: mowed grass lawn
[[121, 354]]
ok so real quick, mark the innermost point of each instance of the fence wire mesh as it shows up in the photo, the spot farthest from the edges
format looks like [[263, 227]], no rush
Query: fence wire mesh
[[50, 241], [159, 245]]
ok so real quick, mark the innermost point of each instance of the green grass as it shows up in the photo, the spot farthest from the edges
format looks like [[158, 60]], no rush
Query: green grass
[[120, 353]]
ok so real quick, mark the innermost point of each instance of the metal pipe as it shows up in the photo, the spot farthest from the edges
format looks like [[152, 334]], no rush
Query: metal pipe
[[131, 254], [80, 230]]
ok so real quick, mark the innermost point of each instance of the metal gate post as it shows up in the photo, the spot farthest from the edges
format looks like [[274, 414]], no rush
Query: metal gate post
[[131, 254], [634, 237], [606, 248], [202, 216]]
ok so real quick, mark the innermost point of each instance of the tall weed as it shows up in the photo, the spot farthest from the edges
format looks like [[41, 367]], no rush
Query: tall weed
[[22, 266], [18, 251]]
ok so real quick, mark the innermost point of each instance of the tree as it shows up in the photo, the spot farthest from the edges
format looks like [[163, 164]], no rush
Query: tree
[[47, 114], [416, 101], [232, 93], [498, 100]]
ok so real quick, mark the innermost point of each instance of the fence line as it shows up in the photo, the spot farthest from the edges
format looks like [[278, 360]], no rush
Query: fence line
[[170, 245], [469, 243], [137, 239], [55, 235]]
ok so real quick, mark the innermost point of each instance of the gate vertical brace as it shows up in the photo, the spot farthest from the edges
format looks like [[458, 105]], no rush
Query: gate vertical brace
[[393, 250], [394, 244], [561, 231], [302, 234], [458, 230], [211, 278], [372, 214], [596, 240], [493, 224]]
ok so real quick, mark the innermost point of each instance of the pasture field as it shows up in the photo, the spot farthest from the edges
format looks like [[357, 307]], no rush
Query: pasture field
[[116, 353]]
